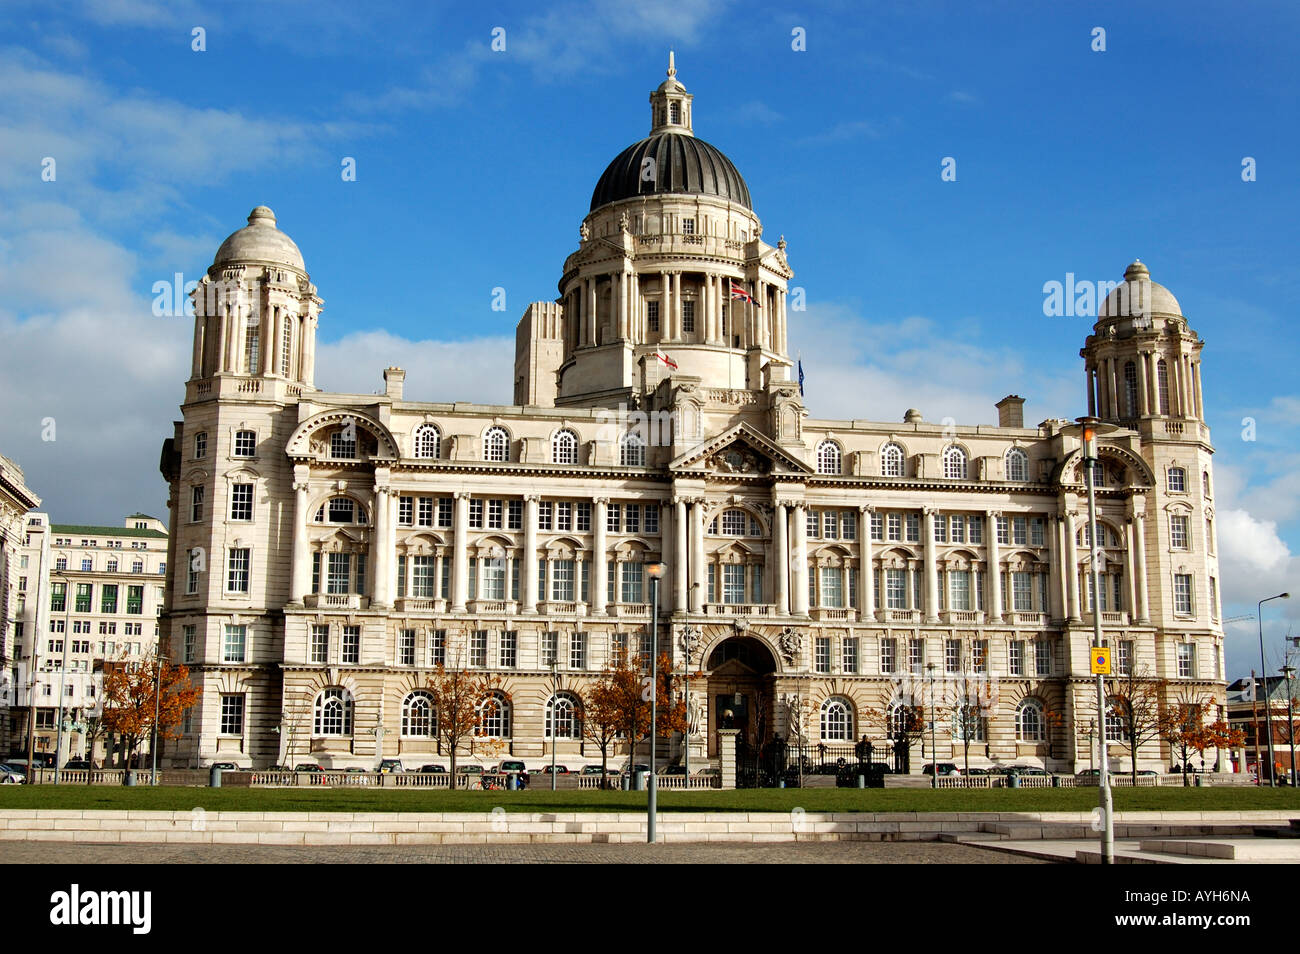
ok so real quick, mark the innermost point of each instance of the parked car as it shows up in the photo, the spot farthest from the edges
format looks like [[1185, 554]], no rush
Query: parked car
[[1088, 773], [1154, 772], [674, 770], [511, 765], [83, 765], [434, 769], [11, 775], [226, 766], [639, 767], [470, 769], [945, 768], [559, 770], [710, 772], [975, 771], [1023, 770], [590, 770], [307, 767], [391, 767]]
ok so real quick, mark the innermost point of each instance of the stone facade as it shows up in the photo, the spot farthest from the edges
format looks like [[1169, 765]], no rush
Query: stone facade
[[16, 498], [329, 549], [90, 596]]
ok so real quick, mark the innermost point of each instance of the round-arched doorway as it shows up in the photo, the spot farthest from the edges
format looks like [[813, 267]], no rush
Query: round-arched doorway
[[741, 677]]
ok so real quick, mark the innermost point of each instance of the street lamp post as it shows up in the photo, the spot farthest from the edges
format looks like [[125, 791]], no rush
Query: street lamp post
[[656, 570], [63, 672], [1289, 671], [555, 688], [157, 692], [1268, 705], [934, 753]]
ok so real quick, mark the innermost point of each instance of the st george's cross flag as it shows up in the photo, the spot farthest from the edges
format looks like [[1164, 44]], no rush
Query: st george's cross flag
[[664, 359]]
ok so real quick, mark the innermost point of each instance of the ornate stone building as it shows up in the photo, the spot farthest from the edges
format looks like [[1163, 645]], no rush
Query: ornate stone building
[[329, 549], [16, 498]]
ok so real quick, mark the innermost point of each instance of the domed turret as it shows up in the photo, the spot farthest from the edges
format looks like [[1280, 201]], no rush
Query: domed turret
[[1139, 297], [260, 242]]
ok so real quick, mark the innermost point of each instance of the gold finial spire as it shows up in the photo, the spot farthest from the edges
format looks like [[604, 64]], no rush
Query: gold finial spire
[[672, 66]]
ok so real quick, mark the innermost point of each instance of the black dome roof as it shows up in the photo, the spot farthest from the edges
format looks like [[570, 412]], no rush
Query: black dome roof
[[682, 163]]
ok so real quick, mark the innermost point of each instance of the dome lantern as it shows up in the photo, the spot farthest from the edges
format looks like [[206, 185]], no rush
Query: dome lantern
[[670, 104]]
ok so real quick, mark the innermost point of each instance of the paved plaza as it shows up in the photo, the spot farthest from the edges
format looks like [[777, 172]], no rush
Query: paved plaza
[[717, 853]]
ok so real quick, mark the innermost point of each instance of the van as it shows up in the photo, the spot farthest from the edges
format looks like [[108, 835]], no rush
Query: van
[[512, 765], [391, 767]]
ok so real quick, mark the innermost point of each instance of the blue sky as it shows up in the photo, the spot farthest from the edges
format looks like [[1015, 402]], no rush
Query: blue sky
[[475, 167]]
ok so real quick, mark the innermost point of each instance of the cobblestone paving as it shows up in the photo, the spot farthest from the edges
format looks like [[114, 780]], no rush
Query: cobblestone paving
[[821, 853]]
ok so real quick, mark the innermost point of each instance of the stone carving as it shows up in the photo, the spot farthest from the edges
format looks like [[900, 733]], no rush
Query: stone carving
[[689, 641], [790, 645], [584, 231], [623, 222], [734, 460]]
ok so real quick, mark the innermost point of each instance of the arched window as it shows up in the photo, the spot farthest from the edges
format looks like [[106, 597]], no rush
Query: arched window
[[891, 461], [428, 442], [418, 720], [333, 712], [828, 458], [1205, 483], [632, 451], [954, 463], [564, 448], [1162, 385], [1130, 408], [496, 444], [1031, 725], [733, 523], [1177, 480], [563, 717], [837, 720], [675, 113], [1017, 464], [494, 717], [899, 719]]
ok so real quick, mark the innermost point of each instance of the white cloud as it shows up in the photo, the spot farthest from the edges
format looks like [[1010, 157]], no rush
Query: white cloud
[[478, 370]]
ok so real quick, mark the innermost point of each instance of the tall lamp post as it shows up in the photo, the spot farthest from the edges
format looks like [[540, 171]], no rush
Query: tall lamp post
[[555, 688], [1088, 429], [934, 753], [63, 671], [157, 692], [1289, 671], [656, 570], [1268, 704]]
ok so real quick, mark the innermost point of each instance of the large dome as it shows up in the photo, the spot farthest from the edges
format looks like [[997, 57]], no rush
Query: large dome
[[1139, 296], [682, 164], [260, 241]]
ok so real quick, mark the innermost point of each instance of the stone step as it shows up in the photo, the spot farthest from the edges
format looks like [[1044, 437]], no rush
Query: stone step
[[1227, 849]]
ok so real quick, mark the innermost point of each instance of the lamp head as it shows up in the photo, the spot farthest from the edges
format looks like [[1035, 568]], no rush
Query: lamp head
[[654, 570]]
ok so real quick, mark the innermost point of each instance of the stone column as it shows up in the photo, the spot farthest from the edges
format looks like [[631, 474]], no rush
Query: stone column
[[1143, 408], [1200, 397], [380, 549], [666, 318], [1112, 366], [678, 333], [931, 566], [866, 580], [1092, 392], [781, 571], [799, 578], [300, 582], [530, 553], [1071, 567], [993, 572], [460, 556], [1139, 531], [1130, 567], [307, 345], [200, 326], [600, 574], [699, 574], [621, 278], [783, 315], [270, 332], [1055, 608], [681, 572]]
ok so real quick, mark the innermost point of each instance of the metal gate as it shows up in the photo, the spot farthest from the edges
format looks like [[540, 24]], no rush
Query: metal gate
[[779, 763]]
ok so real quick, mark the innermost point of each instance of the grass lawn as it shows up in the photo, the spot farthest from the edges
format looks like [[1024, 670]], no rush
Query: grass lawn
[[750, 800]]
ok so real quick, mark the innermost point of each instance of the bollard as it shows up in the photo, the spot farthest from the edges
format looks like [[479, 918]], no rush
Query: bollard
[[862, 780], [623, 783], [1056, 781], [214, 777], [780, 783], [1199, 781], [1013, 780], [128, 777]]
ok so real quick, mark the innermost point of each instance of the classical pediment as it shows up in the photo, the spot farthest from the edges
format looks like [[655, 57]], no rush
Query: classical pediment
[[740, 450]]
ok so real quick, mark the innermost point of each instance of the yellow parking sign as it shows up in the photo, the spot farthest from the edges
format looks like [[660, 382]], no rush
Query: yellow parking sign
[[1100, 660]]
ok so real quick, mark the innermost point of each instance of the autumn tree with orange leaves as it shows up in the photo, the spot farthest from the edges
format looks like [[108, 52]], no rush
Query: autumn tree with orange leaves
[[458, 697], [632, 690], [602, 716], [129, 701]]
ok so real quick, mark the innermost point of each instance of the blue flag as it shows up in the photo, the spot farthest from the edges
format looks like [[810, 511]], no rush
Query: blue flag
[[801, 377]]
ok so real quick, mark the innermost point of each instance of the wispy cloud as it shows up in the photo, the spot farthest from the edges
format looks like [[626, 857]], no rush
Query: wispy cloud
[[844, 131], [963, 97]]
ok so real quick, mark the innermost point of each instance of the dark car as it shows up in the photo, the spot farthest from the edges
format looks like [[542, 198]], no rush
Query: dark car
[[674, 770], [470, 769], [975, 771], [433, 769], [307, 767], [591, 770], [559, 770], [84, 765]]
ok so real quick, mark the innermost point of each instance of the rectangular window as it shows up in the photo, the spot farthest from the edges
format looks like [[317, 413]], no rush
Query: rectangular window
[[406, 647], [135, 600], [1019, 531], [405, 511], [338, 573], [1178, 532], [550, 649], [563, 516], [82, 604], [895, 526], [1016, 657], [951, 655], [438, 648], [975, 526], [613, 518], [688, 317], [1124, 657], [940, 529], [577, 650], [562, 581], [832, 587], [633, 582], [200, 445], [830, 524], [476, 514], [196, 504], [652, 315], [494, 579], [246, 443], [1042, 658], [472, 579], [957, 529], [632, 518], [1183, 594], [1004, 531], [234, 644], [888, 655], [959, 589], [822, 654], [913, 528], [237, 569], [514, 515], [351, 649], [495, 514], [422, 577], [189, 641], [582, 517], [877, 526], [424, 516], [979, 655], [59, 596], [916, 656], [618, 649], [401, 575], [733, 583], [849, 654], [814, 523], [320, 643], [895, 589], [509, 649], [445, 511], [1214, 597], [232, 714], [544, 515], [241, 501], [1022, 592], [1187, 660], [1177, 480], [688, 225], [1036, 534]]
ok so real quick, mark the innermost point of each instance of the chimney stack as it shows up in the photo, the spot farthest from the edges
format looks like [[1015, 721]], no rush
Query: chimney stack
[[1011, 411], [394, 378]]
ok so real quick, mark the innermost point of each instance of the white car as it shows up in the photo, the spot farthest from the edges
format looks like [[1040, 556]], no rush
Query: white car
[[11, 775]]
